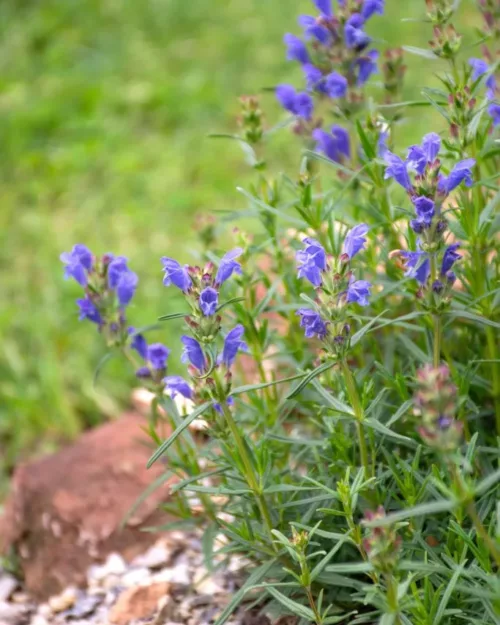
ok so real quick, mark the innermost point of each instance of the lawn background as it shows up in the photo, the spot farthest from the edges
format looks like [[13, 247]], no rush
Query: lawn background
[[105, 107]]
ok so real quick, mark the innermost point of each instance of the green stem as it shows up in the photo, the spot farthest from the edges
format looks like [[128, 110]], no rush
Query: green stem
[[436, 319], [392, 597], [470, 506], [492, 354], [250, 476], [355, 400], [312, 603]]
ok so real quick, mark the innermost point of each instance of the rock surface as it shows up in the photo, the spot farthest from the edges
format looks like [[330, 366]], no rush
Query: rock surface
[[65, 510]]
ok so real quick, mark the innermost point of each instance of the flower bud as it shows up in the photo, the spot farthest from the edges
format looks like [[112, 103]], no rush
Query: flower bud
[[382, 544]]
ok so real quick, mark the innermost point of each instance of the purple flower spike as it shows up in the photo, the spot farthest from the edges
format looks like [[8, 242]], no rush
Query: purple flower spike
[[462, 172], [355, 240], [232, 344], [312, 323], [193, 353], [336, 85], [314, 78], [296, 49], [370, 7], [418, 266], [175, 274], [88, 311], [325, 6], [355, 37], [311, 262], [494, 112], [209, 300], [138, 343], [126, 286], [229, 265], [336, 146], [396, 168], [479, 68], [78, 263], [178, 386], [450, 257], [158, 355], [416, 159], [358, 292]]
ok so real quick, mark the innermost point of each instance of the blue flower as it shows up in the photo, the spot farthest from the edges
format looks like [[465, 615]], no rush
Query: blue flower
[[209, 300], [325, 6], [494, 112], [382, 148], [355, 37], [418, 265], [335, 145], [314, 78], [229, 265], [193, 353], [138, 343], [370, 7], [311, 262], [396, 168], [232, 344], [462, 172], [419, 156], [157, 356], [296, 49], [300, 104], [335, 85], [229, 402], [425, 209], [355, 240], [479, 68], [312, 323], [314, 30], [365, 66], [116, 268], [88, 310], [175, 274], [450, 257], [78, 263], [126, 286], [178, 386], [358, 292]]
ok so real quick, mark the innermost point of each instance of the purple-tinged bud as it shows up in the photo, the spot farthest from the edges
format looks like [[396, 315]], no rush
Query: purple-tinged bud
[[381, 544]]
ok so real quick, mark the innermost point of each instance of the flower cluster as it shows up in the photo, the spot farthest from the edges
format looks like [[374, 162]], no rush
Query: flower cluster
[[109, 286], [435, 404], [336, 288], [381, 544], [428, 191], [201, 287], [336, 63]]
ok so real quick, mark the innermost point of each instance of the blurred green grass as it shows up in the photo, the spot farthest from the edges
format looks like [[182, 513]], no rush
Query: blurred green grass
[[105, 107]]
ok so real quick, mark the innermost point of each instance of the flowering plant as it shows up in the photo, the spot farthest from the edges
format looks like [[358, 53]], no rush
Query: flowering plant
[[344, 354]]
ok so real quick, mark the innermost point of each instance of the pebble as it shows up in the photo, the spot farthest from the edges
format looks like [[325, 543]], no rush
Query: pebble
[[7, 586], [170, 577], [64, 601]]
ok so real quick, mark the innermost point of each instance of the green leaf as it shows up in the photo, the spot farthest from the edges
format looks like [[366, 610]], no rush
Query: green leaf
[[233, 300], [488, 482], [331, 400], [255, 387], [295, 608], [173, 316], [309, 377], [194, 478], [433, 507], [350, 567], [447, 595], [364, 330], [322, 563], [425, 53], [465, 314], [383, 429], [179, 430], [100, 366], [238, 597]]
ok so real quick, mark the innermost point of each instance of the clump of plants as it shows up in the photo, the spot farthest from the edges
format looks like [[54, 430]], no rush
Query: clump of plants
[[344, 354]]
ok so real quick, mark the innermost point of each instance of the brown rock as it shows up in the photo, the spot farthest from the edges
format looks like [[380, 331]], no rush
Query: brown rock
[[138, 603], [65, 510]]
